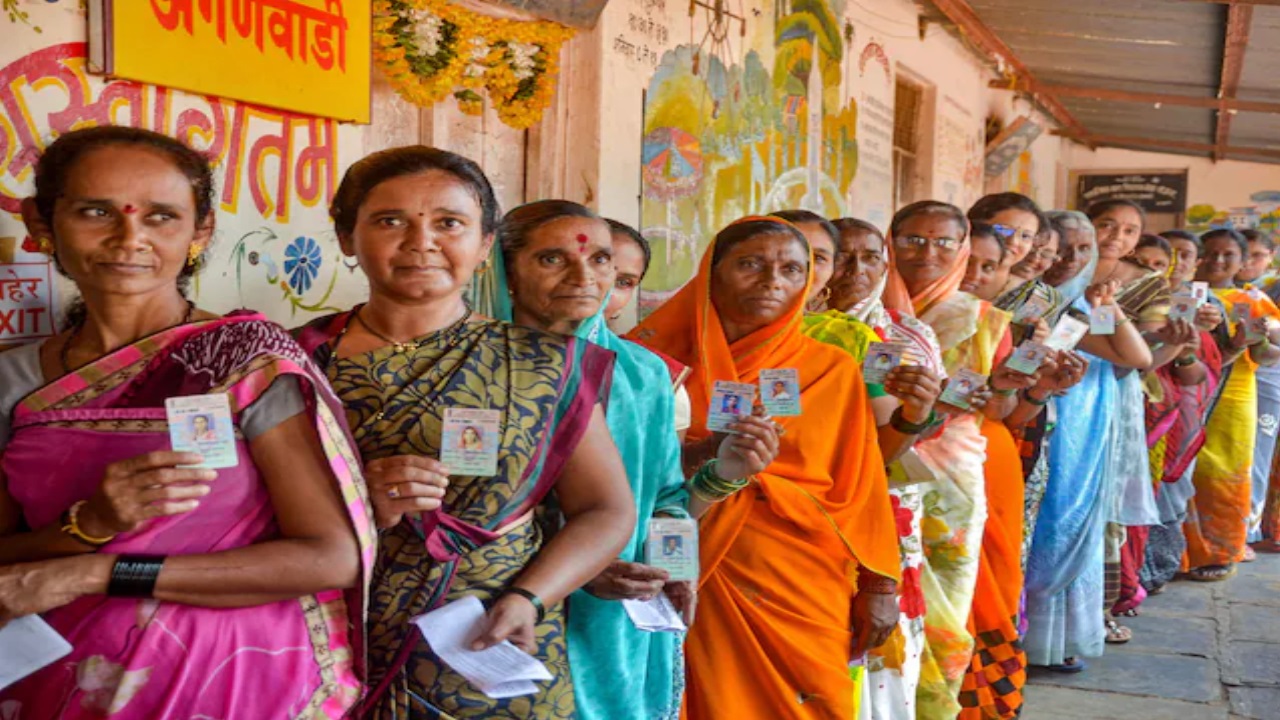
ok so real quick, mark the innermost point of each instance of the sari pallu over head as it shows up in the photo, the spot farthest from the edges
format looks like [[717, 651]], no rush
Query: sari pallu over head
[[545, 388], [144, 659], [778, 558]]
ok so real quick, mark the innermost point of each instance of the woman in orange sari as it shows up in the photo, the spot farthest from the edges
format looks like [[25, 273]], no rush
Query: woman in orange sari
[[773, 638]]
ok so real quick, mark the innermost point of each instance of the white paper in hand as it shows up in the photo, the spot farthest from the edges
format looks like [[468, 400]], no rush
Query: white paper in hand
[[656, 615], [26, 645], [502, 671]]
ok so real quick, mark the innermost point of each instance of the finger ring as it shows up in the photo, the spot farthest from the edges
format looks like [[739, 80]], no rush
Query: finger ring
[[393, 493]]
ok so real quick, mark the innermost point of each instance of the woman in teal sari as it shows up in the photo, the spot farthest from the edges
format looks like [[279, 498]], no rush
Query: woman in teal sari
[[420, 221], [558, 258]]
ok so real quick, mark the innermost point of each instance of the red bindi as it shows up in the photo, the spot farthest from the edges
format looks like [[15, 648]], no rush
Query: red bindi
[[582, 243], [130, 209]]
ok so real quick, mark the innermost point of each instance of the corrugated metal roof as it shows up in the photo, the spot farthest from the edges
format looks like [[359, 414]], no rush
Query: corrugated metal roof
[[1165, 47]]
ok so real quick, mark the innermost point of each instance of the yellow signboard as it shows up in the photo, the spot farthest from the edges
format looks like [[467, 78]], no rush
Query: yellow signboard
[[308, 56]]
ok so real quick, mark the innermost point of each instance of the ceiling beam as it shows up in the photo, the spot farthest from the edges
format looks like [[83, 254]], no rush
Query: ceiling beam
[[1239, 21], [1157, 144], [1146, 98], [972, 27]]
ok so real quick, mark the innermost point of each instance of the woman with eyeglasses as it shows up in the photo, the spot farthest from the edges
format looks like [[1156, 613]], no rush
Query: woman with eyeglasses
[[929, 261], [893, 669], [1031, 249]]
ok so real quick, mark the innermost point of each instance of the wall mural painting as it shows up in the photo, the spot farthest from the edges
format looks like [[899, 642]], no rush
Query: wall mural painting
[[727, 137], [1262, 214], [275, 170]]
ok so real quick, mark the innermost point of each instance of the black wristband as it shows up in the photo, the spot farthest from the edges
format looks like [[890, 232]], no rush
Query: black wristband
[[899, 423], [533, 600], [135, 576]]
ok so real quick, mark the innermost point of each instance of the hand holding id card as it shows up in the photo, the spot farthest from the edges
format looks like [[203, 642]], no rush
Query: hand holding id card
[[780, 391], [672, 545], [202, 424], [882, 358], [730, 402], [469, 443], [1183, 307], [1032, 310], [1027, 358], [961, 387]]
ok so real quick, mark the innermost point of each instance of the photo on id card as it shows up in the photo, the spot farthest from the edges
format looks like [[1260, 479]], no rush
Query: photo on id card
[[730, 401], [1067, 333], [961, 387], [202, 424], [881, 359], [1027, 358], [1183, 307], [672, 545], [1032, 310], [780, 391], [469, 441]]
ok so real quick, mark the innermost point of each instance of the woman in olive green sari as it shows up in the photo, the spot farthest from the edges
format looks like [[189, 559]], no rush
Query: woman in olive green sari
[[419, 221]]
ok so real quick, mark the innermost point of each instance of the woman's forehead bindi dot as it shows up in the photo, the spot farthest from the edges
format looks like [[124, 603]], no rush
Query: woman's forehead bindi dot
[[582, 242], [130, 209]]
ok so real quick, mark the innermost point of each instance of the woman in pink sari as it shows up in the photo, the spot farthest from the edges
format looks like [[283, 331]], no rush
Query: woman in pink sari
[[185, 592]]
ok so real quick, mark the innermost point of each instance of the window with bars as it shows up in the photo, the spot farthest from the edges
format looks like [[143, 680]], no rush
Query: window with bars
[[907, 111]]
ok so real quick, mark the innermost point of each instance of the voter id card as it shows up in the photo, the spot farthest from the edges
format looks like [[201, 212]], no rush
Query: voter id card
[[202, 424], [881, 359], [780, 391], [961, 387], [1027, 358], [1102, 320], [1067, 333], [1183, 307], [672, 545], [730, 402], [1032, 310], [469, 441]]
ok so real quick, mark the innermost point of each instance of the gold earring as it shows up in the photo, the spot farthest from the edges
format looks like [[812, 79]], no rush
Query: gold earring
[[44, 244], [193, 254], [484, 267]]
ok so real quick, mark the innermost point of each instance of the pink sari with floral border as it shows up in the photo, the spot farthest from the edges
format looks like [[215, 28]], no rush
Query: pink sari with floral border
[[143, 659]]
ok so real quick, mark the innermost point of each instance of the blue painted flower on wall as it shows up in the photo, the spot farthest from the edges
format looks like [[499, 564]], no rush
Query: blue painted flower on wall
[[302, 263]]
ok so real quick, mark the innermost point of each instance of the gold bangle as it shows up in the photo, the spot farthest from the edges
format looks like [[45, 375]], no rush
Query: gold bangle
[[71, 527]]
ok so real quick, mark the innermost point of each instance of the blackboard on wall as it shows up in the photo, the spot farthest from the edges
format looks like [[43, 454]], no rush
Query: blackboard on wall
[[1155, 192]]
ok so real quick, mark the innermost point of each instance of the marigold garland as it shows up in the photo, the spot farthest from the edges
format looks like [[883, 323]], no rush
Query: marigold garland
[[430, 49]]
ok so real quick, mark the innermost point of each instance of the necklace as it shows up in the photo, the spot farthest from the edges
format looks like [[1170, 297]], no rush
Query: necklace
[[65, 352], [407, 346]]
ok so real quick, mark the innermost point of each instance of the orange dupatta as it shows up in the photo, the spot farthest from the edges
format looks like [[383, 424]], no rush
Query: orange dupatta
[[779, 558]]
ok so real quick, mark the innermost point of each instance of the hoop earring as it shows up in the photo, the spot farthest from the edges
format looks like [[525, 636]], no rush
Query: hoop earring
[[193, 255]]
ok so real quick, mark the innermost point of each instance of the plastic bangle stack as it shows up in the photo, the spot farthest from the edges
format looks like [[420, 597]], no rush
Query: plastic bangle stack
[[135, 576], [706, 485], [899, 423], [875, 584], [1184, 361], [1005, 393]]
